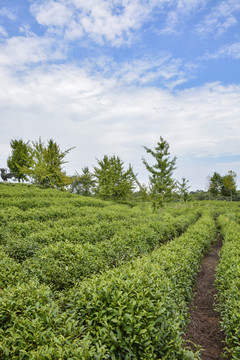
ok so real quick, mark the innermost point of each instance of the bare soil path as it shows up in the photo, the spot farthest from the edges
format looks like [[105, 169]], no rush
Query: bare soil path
[[204, 328]]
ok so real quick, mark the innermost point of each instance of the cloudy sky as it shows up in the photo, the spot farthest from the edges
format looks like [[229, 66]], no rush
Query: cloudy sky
[[109, 76]]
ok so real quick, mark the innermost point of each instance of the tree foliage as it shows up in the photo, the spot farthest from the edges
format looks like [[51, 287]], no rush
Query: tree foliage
[[46, 168], [183, 189], [216, 184], [229, 184], [113, 182], [223, 185], [143, 192], [20, 157], [83, 184], [161, 181]]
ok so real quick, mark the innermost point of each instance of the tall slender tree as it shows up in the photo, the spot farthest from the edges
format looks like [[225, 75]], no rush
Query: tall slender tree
[[183, 188], [113, 182], [21, 156], [83, 184], [161, 173]]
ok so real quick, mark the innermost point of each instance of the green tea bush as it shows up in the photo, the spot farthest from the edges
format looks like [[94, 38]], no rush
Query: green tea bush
[[21, 249], [61, 264], [80, 201], [11, 271], [51, 213], [91, 233], [41, 214], [32, 326], [25, 204], [23, 229], [139, 311], [81, 218], [15, 194], [52, 240], [228, 284], [9, 214]]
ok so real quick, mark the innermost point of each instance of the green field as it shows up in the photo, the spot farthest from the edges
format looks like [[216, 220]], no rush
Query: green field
[[83, 278]]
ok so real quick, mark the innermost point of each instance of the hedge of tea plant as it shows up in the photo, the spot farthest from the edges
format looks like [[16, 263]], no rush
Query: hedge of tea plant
[[10, 270], [23, 242], [228, 284], [139, 311], [60, 241], [53, 241], [62, 263], [32, 326], [136, 311]]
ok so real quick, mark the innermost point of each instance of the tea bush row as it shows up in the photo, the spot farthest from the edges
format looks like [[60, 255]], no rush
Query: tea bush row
[[33, 327], [92, 233], [88, 227], [77, 229], [16, 224], [11, 271], [61, 264], [50, 231], [137, 311], [65, 211], [39, 201], [17, 192], [228, 284]]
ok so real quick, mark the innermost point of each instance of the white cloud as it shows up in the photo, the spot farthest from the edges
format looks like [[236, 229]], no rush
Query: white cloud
[[21, 50], [112, 21], [162, 70], [3, 32], [52, 13], [100, 116], [103, 106], [116, 22], [230, 50], [4, 12], [178, 13], [220, 19]]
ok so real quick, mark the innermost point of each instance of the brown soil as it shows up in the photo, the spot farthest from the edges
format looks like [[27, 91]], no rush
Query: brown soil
[[204, 328]]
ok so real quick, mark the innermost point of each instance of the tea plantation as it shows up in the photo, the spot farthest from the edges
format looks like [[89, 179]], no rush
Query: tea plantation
[[81, 278]]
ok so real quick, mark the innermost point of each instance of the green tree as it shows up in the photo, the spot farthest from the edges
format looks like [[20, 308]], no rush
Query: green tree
[[83, 184], [229, 184], [112, 181], [183, 189], [21, 156], [216, 184], [161, 181], [47, 161], [143, 192]]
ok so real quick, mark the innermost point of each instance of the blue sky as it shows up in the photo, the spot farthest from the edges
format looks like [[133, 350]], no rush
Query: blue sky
[[110, 76]]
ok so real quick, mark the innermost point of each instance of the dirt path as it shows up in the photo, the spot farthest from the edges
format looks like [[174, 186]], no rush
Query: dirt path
[[204, 329]]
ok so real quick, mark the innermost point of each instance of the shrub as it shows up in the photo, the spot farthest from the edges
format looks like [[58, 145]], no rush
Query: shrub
[[32, 326], [11, 272], [139, 311], [228, 284]]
